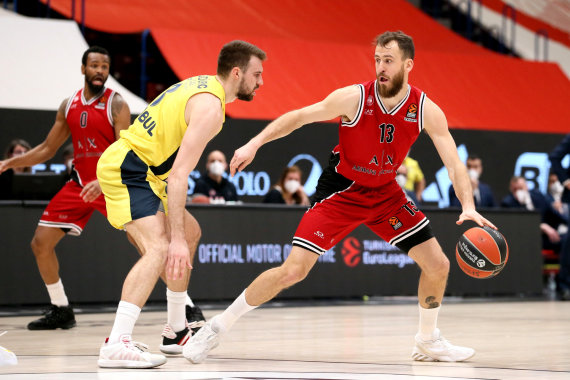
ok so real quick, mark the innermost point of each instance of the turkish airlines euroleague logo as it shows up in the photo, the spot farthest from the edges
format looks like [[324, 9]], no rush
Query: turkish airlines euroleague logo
[[351, 250]]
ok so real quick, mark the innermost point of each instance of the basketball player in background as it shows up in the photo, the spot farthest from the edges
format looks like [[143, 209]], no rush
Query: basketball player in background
[[93, 116], [380, 120], [164, 144]]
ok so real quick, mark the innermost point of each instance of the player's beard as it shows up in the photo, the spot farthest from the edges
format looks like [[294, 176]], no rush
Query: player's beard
[[93, 88], [397, 84], [243, 93]]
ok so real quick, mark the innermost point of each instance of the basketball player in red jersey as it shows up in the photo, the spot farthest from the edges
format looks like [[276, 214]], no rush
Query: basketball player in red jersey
[[93, 116], [380, 120]]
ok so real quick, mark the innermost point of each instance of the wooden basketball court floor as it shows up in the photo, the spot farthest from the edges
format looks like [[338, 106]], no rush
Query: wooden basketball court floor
[[513, 340]]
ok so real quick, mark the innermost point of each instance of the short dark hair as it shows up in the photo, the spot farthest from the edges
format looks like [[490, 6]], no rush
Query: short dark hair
[[237, 54], [10, 148], [473, 157], [405, 42], [94, 49]]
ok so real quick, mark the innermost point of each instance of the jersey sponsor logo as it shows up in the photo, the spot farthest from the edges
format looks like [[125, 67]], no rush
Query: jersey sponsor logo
[[361, 169], [395, 223], [369, 112], [412, 113], [374, 161], [390, 160], [102, 102]]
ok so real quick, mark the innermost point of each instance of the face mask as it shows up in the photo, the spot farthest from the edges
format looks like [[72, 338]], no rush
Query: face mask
[[556, 189], [521, 195], [473, 174], [217, 168], [401, 179], [292, 185]]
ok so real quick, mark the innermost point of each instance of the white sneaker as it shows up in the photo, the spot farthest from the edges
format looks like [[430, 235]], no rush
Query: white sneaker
[[197, 348], [439, 350], [127, 354], [172, 342]]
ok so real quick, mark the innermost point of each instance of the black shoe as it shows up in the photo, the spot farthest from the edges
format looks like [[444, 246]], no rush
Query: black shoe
[[173, 342], [195, 318], [55, 317]]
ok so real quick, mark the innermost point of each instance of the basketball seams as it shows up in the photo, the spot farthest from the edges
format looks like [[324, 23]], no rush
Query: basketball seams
[[474, 249], [488, 245]]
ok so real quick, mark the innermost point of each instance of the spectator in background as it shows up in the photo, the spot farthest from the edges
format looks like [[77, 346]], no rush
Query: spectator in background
[[563, 175], [482, 193], [212, 187], [416, 181], [402, 178], [554, 194], [551, 220], [288, 190], [16, 148]]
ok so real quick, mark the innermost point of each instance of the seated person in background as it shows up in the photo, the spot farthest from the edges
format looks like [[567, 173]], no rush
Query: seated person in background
[[554, 194], [402, 178], [212, 187], [482, 193], [416, 181], [16, 147], [552, 225], [288, 190]]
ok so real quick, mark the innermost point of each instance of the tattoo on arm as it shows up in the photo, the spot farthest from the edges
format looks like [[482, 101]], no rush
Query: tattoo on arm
[[432, 303], [117, 106]]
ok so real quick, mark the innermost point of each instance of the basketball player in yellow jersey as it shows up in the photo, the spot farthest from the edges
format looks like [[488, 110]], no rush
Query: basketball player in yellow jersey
[[163, 146]]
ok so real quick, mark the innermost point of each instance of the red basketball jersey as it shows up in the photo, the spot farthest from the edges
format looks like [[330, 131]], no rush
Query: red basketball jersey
[[91, 125], [373, 145]]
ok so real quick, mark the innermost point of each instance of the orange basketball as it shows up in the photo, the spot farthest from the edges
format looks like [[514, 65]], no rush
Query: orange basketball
[[482, 252]]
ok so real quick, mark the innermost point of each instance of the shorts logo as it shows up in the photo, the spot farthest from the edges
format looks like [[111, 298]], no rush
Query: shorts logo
[[395, 223], [63, 216], [320, 234], [351, 251]]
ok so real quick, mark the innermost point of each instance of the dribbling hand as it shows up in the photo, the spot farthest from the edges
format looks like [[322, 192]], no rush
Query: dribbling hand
[[476, 217]]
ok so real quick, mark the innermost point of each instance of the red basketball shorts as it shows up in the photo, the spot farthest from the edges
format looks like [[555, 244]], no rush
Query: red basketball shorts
[[340, 205], [68, 211]]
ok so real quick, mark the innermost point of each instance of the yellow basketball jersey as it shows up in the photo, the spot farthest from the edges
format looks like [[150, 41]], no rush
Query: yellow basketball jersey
[[156, 134]]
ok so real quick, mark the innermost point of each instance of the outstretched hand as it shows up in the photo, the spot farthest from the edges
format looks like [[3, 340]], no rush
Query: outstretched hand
[[4, 166], [476, 217], [242, 157]]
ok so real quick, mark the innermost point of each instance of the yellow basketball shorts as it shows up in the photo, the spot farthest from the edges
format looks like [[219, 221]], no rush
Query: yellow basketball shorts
[[131, 190]]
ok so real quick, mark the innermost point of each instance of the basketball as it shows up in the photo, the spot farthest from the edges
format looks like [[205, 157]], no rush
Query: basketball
[[482, 252]]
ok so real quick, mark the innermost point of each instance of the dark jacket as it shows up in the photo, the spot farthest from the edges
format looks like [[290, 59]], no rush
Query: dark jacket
[[487, 197], [556, 157], [210, 188]]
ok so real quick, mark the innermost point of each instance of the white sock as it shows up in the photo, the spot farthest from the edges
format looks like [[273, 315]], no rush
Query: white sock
[[223, 322], [127, 315], [428, 322], [176, 308], [189, 301], [57, 294]]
